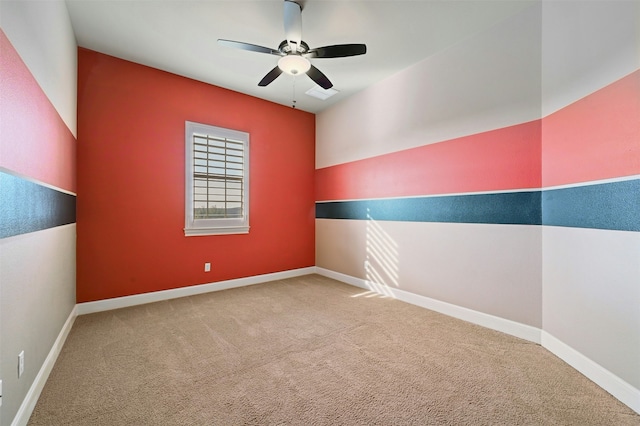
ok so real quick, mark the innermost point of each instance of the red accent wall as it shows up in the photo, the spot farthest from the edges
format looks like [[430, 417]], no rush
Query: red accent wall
[[502, 159], [130, 217], [597, 137], [34, 140]]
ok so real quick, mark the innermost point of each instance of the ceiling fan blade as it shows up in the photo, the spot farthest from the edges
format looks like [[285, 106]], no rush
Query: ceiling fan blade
[[292, 24], [247, 46], [316, 75], [272, 75], [337, 51]]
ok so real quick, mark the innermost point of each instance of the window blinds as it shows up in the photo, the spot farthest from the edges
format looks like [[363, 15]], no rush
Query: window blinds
[[218, 177]]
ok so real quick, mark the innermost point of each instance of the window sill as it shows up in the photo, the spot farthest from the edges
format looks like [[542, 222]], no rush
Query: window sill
[[220, 230]]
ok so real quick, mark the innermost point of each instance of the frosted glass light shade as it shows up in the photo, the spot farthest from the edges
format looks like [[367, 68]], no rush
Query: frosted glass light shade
[[294, 64]]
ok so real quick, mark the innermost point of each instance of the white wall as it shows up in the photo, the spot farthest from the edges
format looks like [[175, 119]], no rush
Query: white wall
[[591, 277], [488, 81], [41, 33], [591, 288], [581, 286], [37, 269], [586, 45]]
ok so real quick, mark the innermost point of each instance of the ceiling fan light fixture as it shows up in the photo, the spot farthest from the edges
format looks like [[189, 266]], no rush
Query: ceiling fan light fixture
[[294, 64]]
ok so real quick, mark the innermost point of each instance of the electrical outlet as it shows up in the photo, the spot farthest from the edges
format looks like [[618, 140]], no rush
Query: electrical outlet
[[207, 267], [20, 363]]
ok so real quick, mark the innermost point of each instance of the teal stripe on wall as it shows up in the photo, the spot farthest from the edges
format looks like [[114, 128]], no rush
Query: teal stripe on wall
[[522, 208], [613, 206], [28, 207]]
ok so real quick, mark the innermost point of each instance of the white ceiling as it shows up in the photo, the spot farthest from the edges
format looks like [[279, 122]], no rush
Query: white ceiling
[[179, 36]]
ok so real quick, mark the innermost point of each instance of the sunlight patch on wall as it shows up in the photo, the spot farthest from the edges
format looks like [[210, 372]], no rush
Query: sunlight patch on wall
[[381, 264]]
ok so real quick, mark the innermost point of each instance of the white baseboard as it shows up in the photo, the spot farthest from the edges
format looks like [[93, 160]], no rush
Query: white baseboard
[[30, 400], [620, 389], [513, 328], [156, 296]]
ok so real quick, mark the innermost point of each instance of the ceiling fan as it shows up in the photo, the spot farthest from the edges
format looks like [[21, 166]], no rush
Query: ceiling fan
[[295, 53]]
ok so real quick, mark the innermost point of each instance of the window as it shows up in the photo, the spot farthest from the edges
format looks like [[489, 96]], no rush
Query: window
[[217, 180]]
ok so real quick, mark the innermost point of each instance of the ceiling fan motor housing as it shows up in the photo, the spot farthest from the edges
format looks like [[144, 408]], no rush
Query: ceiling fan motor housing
[[285, 48]]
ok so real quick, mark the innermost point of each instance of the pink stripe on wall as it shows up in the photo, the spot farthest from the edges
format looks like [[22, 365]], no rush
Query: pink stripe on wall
[[502, 159], [34, 140], [597, 137]]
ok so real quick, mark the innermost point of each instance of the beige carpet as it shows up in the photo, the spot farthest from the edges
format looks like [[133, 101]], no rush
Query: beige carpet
[[309, 351]]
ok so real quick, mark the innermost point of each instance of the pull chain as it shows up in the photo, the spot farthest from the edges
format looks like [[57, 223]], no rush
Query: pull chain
[[294, 92]]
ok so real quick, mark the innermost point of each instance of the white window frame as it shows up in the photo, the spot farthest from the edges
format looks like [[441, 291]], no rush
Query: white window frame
[[214, 226]]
